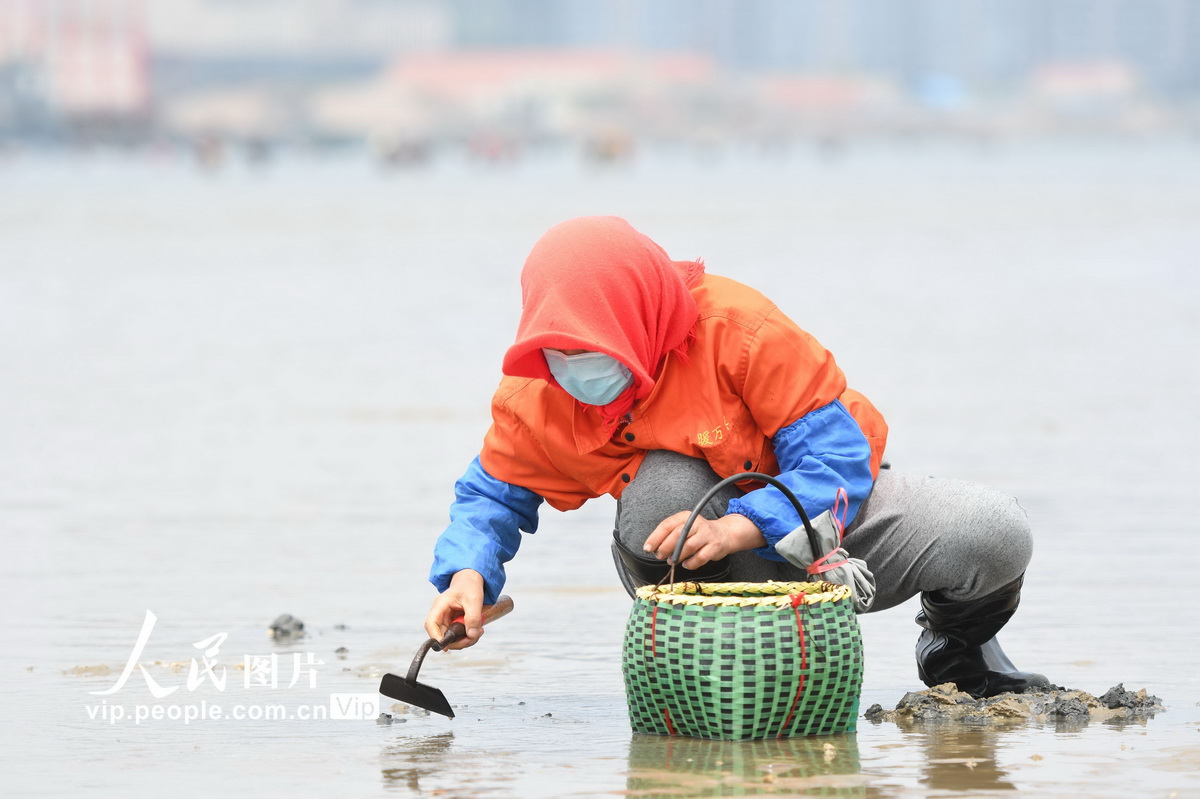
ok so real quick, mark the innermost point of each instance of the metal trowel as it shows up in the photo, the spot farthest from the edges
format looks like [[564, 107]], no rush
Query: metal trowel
[[408, 690]]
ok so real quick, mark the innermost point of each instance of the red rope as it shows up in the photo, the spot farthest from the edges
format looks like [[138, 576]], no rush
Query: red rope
[[821, 565], [797, 604], [654, 653]]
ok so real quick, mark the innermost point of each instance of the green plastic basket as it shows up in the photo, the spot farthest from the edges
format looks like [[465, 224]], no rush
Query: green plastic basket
[[743, 661]]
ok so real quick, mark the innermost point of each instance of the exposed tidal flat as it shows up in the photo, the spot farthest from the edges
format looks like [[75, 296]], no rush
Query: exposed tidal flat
[[226, 397]]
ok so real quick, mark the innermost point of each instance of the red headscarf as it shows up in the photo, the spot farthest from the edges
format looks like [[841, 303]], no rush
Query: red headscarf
[[594, 283]]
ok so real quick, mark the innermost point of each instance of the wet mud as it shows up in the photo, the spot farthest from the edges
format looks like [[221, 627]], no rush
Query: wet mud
[[1059, 705], [277, 469], [99, 670], [287, 626]]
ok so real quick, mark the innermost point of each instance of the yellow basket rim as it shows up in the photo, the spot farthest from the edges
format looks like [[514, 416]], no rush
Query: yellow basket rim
[[772, 593]]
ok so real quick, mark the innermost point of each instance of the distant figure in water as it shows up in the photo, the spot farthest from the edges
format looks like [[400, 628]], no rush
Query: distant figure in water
[[651, 380]]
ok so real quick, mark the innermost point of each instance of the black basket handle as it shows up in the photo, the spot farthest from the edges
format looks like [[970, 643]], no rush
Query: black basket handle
[[712, 492]]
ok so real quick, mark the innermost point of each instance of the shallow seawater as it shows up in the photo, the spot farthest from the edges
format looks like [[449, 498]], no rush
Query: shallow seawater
[[230, 396]]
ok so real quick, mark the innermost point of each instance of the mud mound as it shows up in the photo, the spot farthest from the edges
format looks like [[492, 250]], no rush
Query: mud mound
[[287, 626], [945, 702]]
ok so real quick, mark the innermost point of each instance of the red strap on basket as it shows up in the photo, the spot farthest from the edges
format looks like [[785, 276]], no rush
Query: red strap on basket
[[797, 605], [654, 653]]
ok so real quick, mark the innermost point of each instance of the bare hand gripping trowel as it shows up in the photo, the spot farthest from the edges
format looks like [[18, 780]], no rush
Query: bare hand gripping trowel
[[407, 689]]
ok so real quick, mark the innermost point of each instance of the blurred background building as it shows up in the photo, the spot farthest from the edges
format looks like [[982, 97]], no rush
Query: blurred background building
[[498, 77]]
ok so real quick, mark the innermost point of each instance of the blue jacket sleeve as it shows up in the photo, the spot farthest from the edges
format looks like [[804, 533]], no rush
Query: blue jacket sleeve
[[819, 453], [486, 521]]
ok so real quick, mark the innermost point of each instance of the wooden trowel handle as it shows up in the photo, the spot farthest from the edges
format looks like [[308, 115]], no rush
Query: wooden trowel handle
[[457, 630]]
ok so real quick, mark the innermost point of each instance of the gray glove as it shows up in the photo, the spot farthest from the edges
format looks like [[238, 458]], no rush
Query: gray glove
[[852, 572]]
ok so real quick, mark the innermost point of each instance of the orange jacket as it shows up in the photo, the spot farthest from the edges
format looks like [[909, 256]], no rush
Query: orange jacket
[[750, 372]]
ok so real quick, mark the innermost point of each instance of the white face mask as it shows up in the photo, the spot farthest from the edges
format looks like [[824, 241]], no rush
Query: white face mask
[[593, 378]]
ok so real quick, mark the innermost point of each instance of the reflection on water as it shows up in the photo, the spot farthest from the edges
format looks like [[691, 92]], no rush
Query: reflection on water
[[659, 766], [407, 760], [957, 758]]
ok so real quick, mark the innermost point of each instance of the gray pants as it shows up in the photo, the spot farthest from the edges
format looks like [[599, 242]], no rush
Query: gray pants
[[915, 533]]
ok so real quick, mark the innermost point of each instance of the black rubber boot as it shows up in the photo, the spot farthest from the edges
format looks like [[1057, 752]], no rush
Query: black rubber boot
[[959, 644]]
